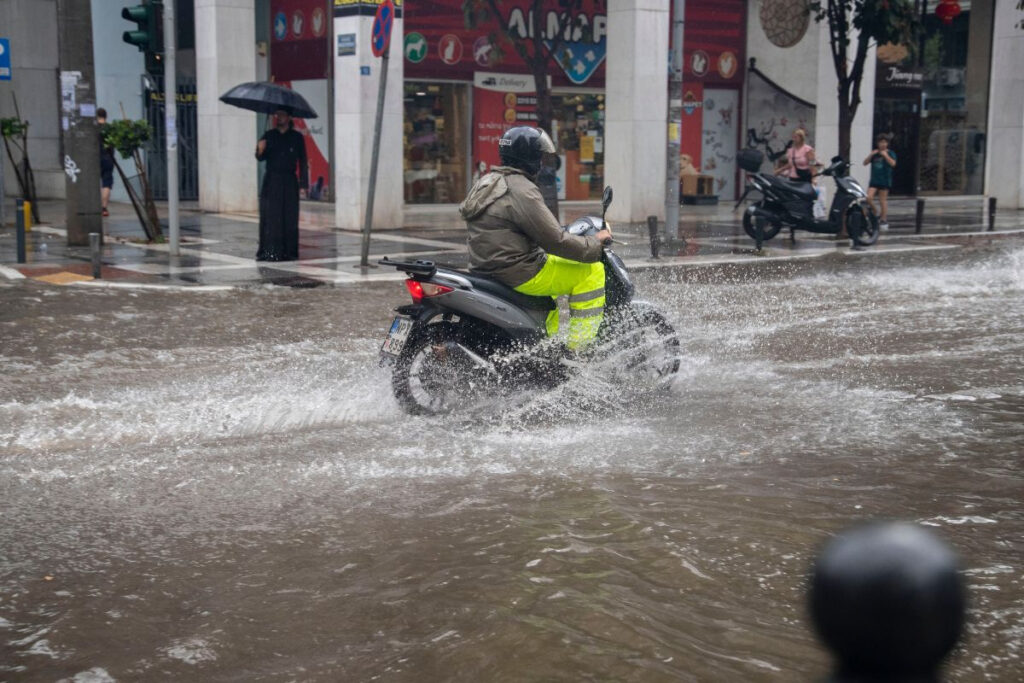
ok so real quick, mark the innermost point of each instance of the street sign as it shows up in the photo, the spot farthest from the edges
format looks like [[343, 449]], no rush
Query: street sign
[[5, 59], [346, 44], [382, 24]]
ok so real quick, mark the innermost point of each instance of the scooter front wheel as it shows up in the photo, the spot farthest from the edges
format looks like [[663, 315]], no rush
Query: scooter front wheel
[[643, 342], [862, 225], [770, 228]]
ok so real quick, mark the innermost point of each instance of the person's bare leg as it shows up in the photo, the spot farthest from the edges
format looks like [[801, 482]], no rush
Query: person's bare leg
[[105, 197], [883, 200], [871, 197]]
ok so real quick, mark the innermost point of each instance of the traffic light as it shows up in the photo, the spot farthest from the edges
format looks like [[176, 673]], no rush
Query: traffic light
[[149, 34]]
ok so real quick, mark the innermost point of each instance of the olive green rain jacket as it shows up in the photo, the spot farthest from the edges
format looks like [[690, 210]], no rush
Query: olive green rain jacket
[[511, 231]]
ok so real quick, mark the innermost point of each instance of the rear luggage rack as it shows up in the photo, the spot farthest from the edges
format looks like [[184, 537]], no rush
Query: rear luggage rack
[[418, 267]]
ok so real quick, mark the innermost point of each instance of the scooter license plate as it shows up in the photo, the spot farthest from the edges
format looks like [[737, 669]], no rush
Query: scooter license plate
[[397, 336]]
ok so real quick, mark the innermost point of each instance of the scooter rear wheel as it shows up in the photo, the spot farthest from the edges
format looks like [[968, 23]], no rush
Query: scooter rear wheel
[[770, 228], [433, 375], [862, 225]]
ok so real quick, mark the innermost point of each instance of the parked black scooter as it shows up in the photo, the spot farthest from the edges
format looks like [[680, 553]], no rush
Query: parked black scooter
[[467, 338], [789, 204]]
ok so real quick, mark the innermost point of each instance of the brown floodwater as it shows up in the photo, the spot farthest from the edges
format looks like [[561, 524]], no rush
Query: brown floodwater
[[219, 486]]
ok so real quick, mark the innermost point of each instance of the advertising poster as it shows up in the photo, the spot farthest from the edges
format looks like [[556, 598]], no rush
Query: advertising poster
[[300, 43], [500, 102], [693, 124], [314, 131], [718, 145]]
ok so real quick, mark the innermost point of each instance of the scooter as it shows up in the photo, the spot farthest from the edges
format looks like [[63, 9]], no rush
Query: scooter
[[790, 203], [466, 337]]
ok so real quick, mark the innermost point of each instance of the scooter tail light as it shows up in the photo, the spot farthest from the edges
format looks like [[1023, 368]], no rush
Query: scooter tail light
[[415, 290], [421, 290]]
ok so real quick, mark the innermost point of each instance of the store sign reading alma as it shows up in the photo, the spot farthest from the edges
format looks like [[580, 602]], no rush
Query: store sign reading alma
[[585, 39]]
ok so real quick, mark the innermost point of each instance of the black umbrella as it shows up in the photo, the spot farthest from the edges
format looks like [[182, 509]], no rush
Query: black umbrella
[[267, 98]]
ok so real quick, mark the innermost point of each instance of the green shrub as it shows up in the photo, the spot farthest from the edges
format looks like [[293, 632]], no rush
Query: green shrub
[[127, 137]]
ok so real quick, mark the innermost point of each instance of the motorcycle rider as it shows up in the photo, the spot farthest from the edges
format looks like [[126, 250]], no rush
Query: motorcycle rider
[[514, 238]]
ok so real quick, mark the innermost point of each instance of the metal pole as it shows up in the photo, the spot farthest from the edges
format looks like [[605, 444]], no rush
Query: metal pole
[[94, 249], [3, 199], [332, 165], [652, 230], [171, 124], [919, 216], [991, 213], [675, 123], [19, 221], [364, 260]]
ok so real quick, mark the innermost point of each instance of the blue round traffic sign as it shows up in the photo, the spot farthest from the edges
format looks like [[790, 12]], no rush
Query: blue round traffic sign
[[382, 24]]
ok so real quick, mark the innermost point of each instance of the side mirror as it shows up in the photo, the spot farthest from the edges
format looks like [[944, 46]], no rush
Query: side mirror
[[606, 199]]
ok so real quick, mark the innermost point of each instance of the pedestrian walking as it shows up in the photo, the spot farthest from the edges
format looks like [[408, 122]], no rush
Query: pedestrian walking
[[287, 173], [799, 158], [106, 162], [882, 160]]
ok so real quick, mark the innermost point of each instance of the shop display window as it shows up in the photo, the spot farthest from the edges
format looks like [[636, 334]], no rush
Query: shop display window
[[955, 59], [578, 126], [435, 142]]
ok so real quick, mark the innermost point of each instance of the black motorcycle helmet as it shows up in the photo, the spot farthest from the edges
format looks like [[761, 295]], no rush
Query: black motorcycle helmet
[[523, 147]]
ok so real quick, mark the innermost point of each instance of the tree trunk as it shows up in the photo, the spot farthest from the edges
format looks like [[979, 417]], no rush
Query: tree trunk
[[147, 197], [845, 125]]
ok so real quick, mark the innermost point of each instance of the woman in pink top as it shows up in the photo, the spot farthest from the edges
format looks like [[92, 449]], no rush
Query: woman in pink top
[[799, 158]]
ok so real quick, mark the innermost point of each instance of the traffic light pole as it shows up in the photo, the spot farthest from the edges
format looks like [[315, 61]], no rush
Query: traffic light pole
[[171, 125], [78, 122]]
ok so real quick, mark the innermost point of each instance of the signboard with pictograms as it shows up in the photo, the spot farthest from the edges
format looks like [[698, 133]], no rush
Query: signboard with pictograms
[[300, 47]]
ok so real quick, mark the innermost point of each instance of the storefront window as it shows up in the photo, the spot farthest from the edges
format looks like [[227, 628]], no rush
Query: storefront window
[[955, 61], [436, 142], [578, 126]]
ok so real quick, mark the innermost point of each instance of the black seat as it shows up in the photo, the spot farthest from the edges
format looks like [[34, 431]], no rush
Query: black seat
[[802, 188], [503, 291]]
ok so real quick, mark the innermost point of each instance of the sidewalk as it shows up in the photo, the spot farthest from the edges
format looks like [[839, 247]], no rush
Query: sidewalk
[[217, 250]]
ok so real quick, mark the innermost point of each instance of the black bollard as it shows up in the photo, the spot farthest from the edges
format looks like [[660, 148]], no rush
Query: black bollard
[[19, 221], [919, 216], [888, 601], [652, 230], [991, 214], [94, 247]]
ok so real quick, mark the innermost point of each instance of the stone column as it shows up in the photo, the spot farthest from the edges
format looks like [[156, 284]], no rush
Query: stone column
[[636, 113], [826, 126], [1004, 160], [225, 57], [356, 84]]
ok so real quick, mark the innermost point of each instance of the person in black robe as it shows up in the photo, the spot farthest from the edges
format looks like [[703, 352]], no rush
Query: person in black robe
[[284, 150]]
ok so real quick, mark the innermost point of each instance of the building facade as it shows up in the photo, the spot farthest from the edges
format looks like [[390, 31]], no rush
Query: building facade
[[754, 70]]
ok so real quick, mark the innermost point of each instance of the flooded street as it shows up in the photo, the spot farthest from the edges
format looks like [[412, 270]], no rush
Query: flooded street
[[220, 486]]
